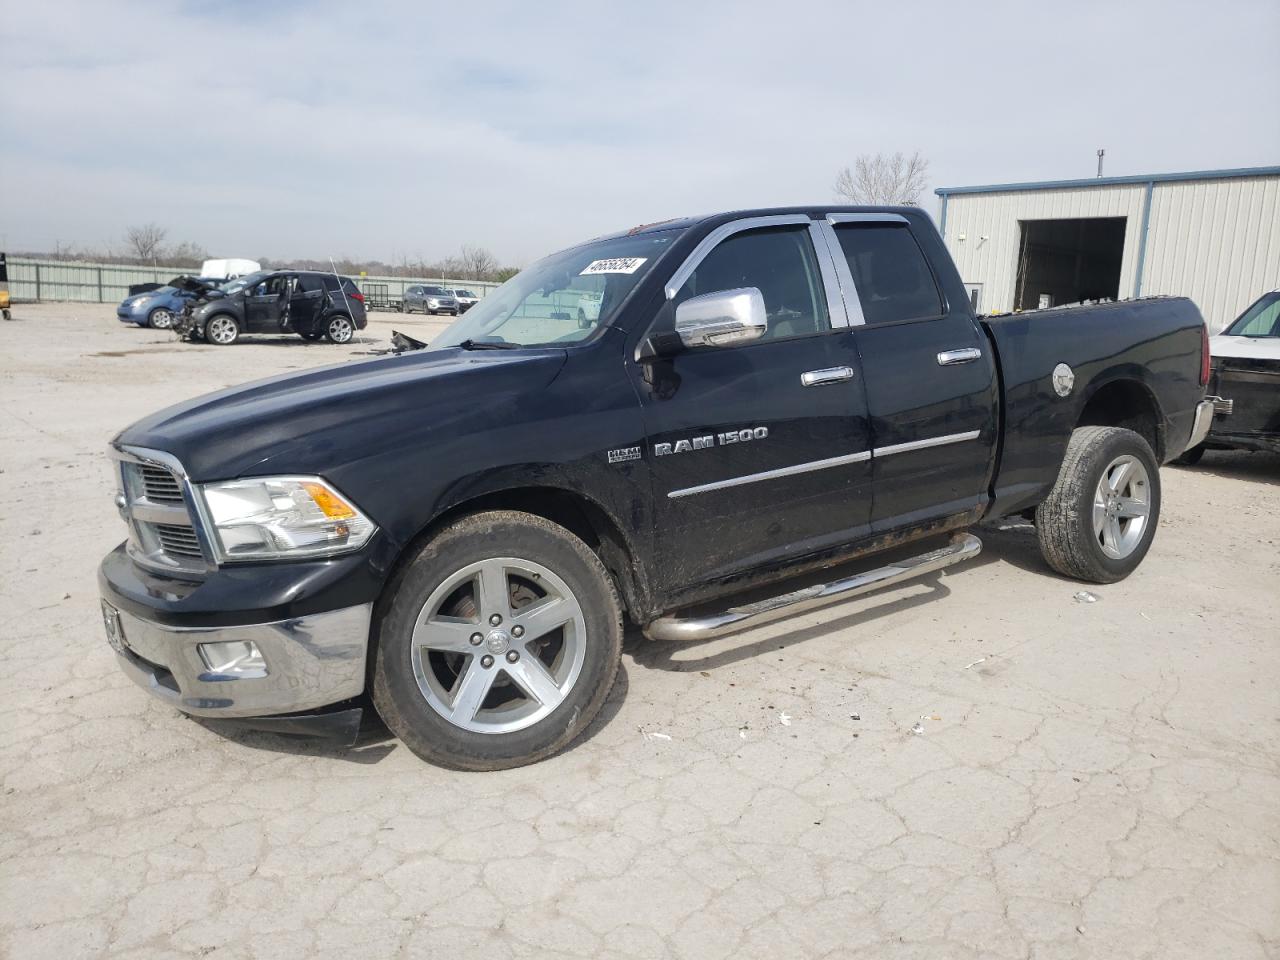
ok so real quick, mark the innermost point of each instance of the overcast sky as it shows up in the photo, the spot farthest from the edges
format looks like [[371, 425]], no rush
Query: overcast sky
[[408, 129]]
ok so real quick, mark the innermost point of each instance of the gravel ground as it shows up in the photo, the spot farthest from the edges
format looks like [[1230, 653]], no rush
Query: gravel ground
[[1084, 780]]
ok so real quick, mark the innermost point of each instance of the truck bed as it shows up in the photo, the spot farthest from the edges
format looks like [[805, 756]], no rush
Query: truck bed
[[1155, 342]]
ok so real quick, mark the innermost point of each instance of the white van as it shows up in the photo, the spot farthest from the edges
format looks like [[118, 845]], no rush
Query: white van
[[229, 269]]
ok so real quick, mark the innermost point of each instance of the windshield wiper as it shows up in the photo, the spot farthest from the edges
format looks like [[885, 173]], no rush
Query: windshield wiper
[[488, 345]]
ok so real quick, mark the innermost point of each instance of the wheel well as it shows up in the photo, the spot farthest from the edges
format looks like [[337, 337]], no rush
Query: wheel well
[[580, 516], [1128, 404]]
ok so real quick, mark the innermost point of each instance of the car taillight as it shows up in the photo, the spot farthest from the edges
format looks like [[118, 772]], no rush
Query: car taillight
[[1204, 356], [360, 297]]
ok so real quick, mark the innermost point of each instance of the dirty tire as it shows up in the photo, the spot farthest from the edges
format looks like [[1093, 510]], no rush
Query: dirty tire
[[1064, 521], [400, 699], [1191, 457], [160, 319]]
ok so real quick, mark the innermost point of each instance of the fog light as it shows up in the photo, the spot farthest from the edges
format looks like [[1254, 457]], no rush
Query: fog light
[[234, 658]]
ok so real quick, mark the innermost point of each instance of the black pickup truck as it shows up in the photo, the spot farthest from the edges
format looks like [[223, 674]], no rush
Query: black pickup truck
[[461, 531]]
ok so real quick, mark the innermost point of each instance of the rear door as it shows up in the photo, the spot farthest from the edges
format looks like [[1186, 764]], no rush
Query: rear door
[[306, 302], [759, 450], [930, 377]]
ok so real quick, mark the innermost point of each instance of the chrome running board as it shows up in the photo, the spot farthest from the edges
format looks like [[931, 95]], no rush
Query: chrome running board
[[964, 546]]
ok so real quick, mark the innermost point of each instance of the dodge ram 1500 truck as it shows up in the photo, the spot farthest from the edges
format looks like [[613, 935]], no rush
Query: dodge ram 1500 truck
[[461, 531]]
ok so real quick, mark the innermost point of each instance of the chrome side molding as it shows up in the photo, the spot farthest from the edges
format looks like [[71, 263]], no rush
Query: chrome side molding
[[674, 628]]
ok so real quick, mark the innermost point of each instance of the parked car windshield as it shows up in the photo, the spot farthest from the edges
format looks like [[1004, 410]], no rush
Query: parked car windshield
[[1260, 320], [239, 283], [464, 293], [562, 298], [438, 291]]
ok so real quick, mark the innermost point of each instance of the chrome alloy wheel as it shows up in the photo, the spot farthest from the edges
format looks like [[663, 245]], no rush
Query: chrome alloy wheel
[[340, 330], [1121, 506], [498, 645], [221, 329]]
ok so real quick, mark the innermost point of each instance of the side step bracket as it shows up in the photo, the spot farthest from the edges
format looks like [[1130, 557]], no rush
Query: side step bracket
[[671, 627]]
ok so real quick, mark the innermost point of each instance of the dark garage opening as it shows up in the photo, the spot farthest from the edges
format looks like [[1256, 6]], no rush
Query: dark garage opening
[[1069, 261]]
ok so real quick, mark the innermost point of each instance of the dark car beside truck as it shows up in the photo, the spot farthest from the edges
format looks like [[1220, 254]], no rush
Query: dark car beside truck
[[461, 531], [311, 304]]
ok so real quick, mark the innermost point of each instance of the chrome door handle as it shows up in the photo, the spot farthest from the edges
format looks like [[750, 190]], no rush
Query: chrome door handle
[[815, 378], [949, 358]]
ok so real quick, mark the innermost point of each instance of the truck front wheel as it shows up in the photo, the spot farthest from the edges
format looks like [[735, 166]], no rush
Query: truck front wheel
[[500, 643], [1098, 521]]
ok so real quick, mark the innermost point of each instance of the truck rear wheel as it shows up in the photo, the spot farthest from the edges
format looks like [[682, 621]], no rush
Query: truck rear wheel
[[500, 644], [1099, 520]]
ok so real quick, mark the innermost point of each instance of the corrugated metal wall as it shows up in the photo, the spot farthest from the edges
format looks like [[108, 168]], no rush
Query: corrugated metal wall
[[994, 262], [110, 282], [1216, 241]]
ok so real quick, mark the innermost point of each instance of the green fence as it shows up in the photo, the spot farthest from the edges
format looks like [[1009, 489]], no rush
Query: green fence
[[33, 280]]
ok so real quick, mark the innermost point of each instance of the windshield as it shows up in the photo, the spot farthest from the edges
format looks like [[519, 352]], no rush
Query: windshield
[[438, 291], [1260, 320], [562, 298], [239, 283], [464, 293]]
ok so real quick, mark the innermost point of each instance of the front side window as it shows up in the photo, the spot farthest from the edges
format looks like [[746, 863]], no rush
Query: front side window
[[1260, 320], [563, 298], [781, 263], [889, 269]]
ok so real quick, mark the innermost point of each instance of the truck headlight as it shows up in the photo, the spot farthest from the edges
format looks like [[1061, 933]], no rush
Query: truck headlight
[[282, 518]]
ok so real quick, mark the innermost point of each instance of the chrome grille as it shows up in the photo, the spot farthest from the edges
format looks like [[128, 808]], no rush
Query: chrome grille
[[159, 485], [178, 541], [162, 533]]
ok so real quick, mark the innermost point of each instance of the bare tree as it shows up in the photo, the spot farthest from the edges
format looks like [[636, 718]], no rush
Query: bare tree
[[878, 178], [477, 263], [145, 240]]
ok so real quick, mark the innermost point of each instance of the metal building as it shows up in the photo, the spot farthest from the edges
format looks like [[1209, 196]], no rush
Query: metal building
[[1212, 235]]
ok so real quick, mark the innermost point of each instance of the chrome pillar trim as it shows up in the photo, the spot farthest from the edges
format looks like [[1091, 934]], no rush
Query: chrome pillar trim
[[947, 358], [312, 662], [848, 289], [1205, 410], [925, 444], [725, 230], [814, 378], [836, 309], [790, 471], [685, 629], [866, 218]]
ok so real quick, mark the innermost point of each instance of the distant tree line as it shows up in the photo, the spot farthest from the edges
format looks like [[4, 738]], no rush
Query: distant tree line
[[145, 243]]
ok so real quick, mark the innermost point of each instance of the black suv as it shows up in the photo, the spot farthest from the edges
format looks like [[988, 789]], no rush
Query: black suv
[[308, 303]]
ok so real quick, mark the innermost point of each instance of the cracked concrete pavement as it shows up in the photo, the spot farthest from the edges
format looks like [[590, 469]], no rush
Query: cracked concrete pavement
[[1091, 780]]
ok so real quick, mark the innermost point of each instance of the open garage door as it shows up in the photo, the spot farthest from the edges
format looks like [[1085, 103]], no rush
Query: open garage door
[[1066, 261]]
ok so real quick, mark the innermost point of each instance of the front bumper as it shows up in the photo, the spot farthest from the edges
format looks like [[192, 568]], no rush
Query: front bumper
[[311, 662], [1204, 420]]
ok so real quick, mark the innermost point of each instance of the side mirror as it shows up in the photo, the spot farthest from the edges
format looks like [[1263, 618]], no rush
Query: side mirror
[[722, 318]]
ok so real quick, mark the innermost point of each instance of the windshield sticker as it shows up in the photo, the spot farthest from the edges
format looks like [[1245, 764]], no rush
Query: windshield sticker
[[614, 265]]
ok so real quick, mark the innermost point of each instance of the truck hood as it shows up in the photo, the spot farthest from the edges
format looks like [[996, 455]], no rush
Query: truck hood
[[1245, 348], [316, 421]]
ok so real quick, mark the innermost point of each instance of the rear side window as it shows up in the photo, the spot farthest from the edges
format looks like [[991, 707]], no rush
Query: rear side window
[[889, 269], [308, 282]]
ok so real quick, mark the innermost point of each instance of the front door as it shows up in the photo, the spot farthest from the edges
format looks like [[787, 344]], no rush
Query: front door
[[930, 377], [759, 450], [264, 304]]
